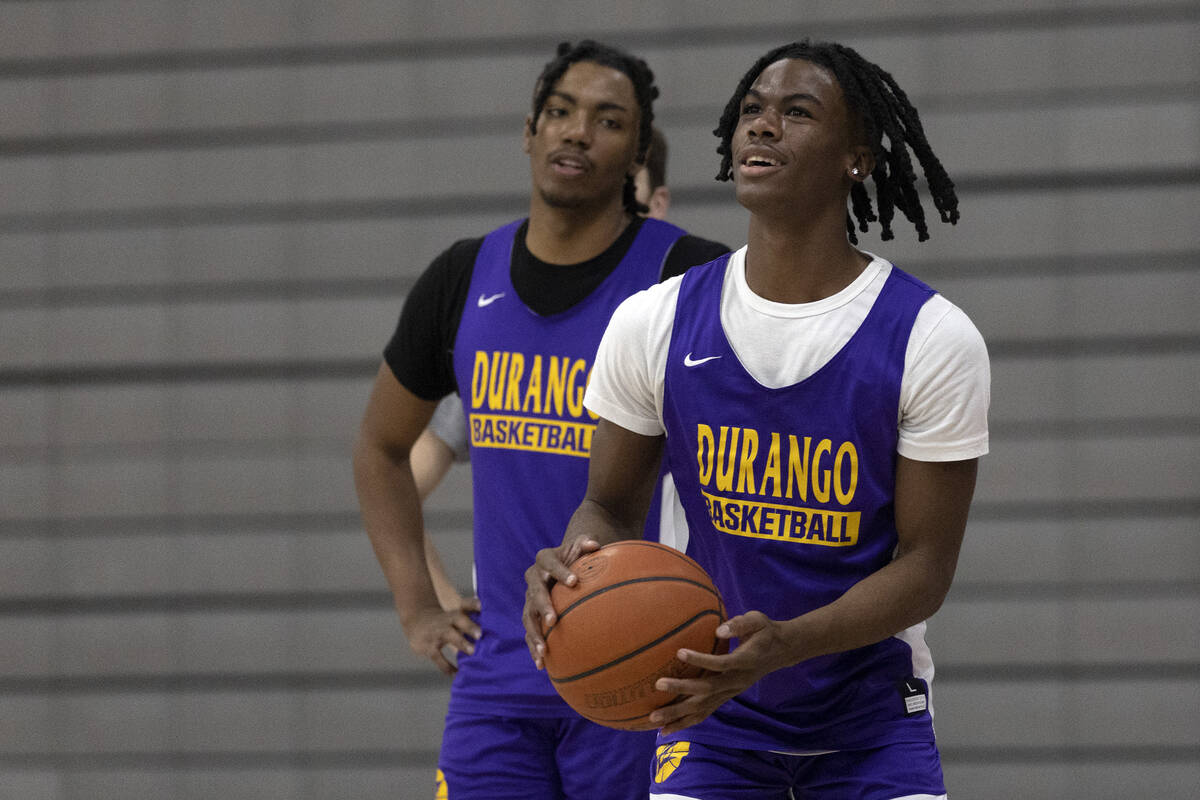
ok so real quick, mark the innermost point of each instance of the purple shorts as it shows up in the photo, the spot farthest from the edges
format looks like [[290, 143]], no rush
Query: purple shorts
[[489, 758], [699, 771]]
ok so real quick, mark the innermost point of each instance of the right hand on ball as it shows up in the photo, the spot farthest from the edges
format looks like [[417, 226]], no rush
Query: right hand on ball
[[763, 647], [550, 566], [432, 629]]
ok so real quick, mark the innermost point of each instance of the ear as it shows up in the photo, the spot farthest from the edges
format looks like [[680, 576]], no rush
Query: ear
[[527, 133], [860, 163], [659, 202]]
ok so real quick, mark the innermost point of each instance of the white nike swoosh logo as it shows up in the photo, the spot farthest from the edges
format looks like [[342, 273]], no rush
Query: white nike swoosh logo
[[484, 300], [688, 361]]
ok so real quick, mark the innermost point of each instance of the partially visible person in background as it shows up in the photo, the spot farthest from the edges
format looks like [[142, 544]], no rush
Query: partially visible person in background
[[651, 180], [444, 442]]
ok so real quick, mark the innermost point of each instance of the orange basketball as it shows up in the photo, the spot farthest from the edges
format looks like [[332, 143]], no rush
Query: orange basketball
[[636, 603]]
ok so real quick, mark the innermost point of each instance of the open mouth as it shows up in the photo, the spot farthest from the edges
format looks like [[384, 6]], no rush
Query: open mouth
[[758, 163], [569, 165]]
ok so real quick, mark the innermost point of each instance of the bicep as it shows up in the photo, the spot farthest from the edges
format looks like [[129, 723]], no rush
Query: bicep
[[946, 389], [625, 385], [420, 346], [622, 472], [932, 501], [395, 417]]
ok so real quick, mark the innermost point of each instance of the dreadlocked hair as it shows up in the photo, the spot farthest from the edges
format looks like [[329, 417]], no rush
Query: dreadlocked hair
[[634, 68], [886, 113]]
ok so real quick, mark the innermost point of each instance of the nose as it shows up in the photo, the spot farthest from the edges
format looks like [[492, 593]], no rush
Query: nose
[[577, 130], [764, 125]]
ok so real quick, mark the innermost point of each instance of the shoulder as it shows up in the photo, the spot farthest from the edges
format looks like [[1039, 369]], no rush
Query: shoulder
[[457, 259], [464, 250], [946, 390], [943, 326], [652, 300], [645, 316], [448, 274], [690, 251], [447, 279], [418, 351]]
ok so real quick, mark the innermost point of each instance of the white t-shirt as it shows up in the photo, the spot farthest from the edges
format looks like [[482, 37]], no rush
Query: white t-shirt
[[944, 393]]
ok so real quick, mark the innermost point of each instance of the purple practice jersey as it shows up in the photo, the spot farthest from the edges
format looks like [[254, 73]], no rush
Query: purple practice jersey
[[789, 497], [522, 377]]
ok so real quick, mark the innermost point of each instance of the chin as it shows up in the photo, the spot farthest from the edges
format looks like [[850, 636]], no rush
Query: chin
[[567, 200], [753, 198], [565, 203]]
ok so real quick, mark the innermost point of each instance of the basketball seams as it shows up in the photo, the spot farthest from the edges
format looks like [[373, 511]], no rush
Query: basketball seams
[[659, 547], [656, 592], [649, 645], [645, 579]]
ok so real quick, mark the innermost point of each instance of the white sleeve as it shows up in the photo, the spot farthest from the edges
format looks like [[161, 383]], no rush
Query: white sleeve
[[627, 379], [946, 389]]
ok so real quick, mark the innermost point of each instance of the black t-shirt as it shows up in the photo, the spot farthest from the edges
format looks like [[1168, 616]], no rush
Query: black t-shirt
[[421, 350]]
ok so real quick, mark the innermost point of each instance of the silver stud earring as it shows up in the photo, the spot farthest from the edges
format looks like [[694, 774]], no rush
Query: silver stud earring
[[854, 172]]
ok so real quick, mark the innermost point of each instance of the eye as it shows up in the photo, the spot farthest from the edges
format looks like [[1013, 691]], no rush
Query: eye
[[554, 111], [798, 111], [611, 124], [751, 108]]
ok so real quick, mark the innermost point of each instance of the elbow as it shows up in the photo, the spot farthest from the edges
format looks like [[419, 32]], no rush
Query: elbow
[[371, 458], [939, 577], [930, 578], [365, 452]]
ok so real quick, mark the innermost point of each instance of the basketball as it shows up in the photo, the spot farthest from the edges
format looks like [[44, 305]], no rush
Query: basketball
[[636, 603]]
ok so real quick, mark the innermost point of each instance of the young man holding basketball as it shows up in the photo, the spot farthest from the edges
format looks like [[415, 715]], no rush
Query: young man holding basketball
[[823, 416], [511, 322]]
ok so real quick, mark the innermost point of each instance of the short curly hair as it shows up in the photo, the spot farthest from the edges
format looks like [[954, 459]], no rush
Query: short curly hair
[[605, 55]]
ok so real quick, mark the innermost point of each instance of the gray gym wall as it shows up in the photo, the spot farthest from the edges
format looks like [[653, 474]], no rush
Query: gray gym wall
[[210, 213]]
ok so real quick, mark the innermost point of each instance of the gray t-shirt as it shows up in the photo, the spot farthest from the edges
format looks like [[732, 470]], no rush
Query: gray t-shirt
[[449, 425]]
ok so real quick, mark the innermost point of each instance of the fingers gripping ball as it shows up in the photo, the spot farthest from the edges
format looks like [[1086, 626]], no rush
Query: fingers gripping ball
[[636, 603]]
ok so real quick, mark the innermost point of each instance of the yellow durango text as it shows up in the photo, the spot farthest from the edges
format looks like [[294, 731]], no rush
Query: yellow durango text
[[733, 460], [546, 385]]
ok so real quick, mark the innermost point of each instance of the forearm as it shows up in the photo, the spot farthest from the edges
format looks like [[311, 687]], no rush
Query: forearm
[[391, 512], [906, 591], [593, 521], [932, 503], [447, 593], [622, 476]]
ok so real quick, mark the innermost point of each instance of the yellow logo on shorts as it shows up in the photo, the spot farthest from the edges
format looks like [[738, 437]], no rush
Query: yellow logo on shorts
[[440, 792], [667, 759]]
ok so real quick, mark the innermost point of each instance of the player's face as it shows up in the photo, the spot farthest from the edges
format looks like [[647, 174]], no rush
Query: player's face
[[586, 139], [794, 144]]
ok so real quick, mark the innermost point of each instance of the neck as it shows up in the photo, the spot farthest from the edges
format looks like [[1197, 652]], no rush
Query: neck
[[573, 235], [798, 259]]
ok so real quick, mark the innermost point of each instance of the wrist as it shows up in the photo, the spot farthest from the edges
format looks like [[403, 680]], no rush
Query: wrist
[[804, 637], [409, 613]]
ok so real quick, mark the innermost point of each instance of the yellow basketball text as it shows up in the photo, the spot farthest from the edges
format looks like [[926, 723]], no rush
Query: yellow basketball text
[[759, 484]]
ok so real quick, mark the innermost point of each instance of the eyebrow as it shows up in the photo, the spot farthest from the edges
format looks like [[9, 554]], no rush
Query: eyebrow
[[795, 96], [606, 105]]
